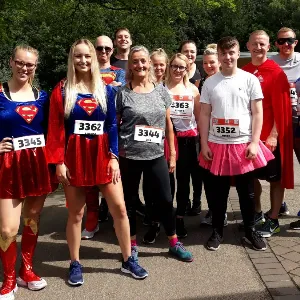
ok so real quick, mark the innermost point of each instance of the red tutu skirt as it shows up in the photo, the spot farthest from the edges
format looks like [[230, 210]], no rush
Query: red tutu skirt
[[230, 159], [167, 149], [25, 173], [87, 160]]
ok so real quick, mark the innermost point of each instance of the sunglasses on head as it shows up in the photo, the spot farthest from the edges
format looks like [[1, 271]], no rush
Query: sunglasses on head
[[282, 41], [101, 48]]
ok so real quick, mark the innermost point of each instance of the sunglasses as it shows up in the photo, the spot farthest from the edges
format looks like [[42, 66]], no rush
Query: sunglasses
[[282, 41], [20, 65], [101, 48], [180, 68]]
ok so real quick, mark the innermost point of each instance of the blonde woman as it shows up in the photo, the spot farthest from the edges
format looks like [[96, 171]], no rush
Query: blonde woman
[[144, 115], [82, 143], [24, 175]]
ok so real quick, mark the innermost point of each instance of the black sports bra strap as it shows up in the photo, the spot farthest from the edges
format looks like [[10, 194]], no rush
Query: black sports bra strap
[[7, 92]]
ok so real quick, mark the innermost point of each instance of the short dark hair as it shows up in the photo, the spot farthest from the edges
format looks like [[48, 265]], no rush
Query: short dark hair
[[227, 42], [186, 42], [119, 29]]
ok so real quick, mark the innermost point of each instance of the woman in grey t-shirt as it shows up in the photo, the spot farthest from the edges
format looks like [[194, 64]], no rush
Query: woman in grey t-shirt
[[144, 116]]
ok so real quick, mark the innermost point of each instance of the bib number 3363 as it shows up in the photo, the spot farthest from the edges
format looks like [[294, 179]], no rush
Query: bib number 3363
[[226, 127], [26, 142], [88, 127], [148, 134]]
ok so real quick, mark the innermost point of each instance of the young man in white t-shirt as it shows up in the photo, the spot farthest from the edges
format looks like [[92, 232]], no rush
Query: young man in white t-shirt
[[230, 125]]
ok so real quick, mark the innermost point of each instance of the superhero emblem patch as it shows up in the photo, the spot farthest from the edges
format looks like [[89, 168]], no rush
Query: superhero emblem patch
[[88, 105], [27, 112]]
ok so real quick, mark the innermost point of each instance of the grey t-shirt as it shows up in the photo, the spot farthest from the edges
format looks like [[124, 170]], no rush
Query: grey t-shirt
[[147, 109], [291, 68]]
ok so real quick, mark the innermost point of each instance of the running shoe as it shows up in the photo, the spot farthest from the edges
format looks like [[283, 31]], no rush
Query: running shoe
[[132, 267], [180, 229], [259, 219], [284, 211], [87, 235], [214, 241], [152, 233], [207, 220], [270, 227], [295, 225], [6, 295], [181, 253], [75, 274], [255, 239]]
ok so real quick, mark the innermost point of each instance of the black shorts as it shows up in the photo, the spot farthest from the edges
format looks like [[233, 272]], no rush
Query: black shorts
[[272, 171]]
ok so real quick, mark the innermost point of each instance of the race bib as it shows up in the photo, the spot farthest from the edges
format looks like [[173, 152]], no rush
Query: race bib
[[148, 134], [31, 141], [226, 127], [89, 127], [182, 107], [293, 95]]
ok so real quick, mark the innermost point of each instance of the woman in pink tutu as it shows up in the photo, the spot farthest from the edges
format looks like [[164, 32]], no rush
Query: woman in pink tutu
[[230, 125]]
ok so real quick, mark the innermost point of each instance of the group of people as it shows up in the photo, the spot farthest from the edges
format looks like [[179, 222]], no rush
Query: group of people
[[114, 119]]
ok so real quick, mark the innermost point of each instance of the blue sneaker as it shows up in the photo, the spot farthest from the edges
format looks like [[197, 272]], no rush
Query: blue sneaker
[[132, 267], [75, 274], [135, 253], [181, 253], [284, 211]]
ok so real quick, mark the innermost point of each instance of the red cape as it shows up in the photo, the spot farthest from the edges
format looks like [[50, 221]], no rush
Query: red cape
[[55, 146], [277, 106]]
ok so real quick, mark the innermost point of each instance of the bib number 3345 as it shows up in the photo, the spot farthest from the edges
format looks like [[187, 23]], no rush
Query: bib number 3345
[[88, 127], [148, 134], [26, 142]]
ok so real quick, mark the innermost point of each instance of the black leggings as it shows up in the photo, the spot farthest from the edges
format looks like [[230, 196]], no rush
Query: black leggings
[[157, 174], [217, 189], [188, 166]]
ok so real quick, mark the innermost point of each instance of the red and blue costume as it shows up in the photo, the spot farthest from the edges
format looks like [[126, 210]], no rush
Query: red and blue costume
[[24, 172], [113, 74], [86, 156]]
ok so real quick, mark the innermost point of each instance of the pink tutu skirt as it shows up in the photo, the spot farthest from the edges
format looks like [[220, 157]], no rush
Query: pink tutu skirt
[[167, 149], [230, 159]]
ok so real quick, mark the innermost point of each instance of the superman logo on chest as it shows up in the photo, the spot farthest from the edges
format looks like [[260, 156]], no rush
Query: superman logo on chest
[[27, 112], [89, 105]]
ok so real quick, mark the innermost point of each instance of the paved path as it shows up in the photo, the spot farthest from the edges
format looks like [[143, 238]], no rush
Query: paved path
[[232, 273]]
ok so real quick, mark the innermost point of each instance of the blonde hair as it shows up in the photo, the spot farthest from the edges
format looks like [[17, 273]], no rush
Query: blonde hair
[[211, 49], [286, 29], [186, 76], [98, 89], [28, 49], [160, 52], [129, 74]]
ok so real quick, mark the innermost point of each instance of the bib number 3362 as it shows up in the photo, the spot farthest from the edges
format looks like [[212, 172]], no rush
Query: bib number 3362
[[26, 142], [148, 134], [88, 127]]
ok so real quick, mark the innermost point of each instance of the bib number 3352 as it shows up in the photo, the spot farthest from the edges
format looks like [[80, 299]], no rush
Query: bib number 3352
[[148, 134], [26, 142], [226, 127], [88, 127]]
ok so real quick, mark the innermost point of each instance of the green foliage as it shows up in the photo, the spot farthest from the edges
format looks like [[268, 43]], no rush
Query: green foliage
[[52, 26]]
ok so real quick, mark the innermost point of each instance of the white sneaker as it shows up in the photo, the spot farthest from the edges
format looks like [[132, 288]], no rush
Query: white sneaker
[[32, 285], [10, 295], [87, 235]]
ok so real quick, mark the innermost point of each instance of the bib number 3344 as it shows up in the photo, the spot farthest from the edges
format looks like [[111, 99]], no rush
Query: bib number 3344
[[148, 134], [88, 127], [226, 127]]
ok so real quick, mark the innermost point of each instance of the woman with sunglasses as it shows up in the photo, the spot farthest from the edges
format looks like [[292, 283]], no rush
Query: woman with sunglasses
[[189, 49], [24, 175], [83, 144], [144, 115], [185, 106]]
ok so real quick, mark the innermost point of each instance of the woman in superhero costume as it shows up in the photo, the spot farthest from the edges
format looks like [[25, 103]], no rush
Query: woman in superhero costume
[[83, 144], [24, 176]]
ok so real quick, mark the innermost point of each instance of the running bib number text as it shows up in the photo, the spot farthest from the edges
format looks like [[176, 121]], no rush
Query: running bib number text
[[148, 134], [26, 142], [181, 107], [88, 127], [226, 127], [293, 96]]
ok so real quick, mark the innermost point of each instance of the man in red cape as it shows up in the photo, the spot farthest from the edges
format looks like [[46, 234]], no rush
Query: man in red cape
[[276, 132]]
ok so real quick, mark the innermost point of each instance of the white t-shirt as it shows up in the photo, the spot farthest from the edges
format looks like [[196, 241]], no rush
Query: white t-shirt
[[230, 99], [184, 123]]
